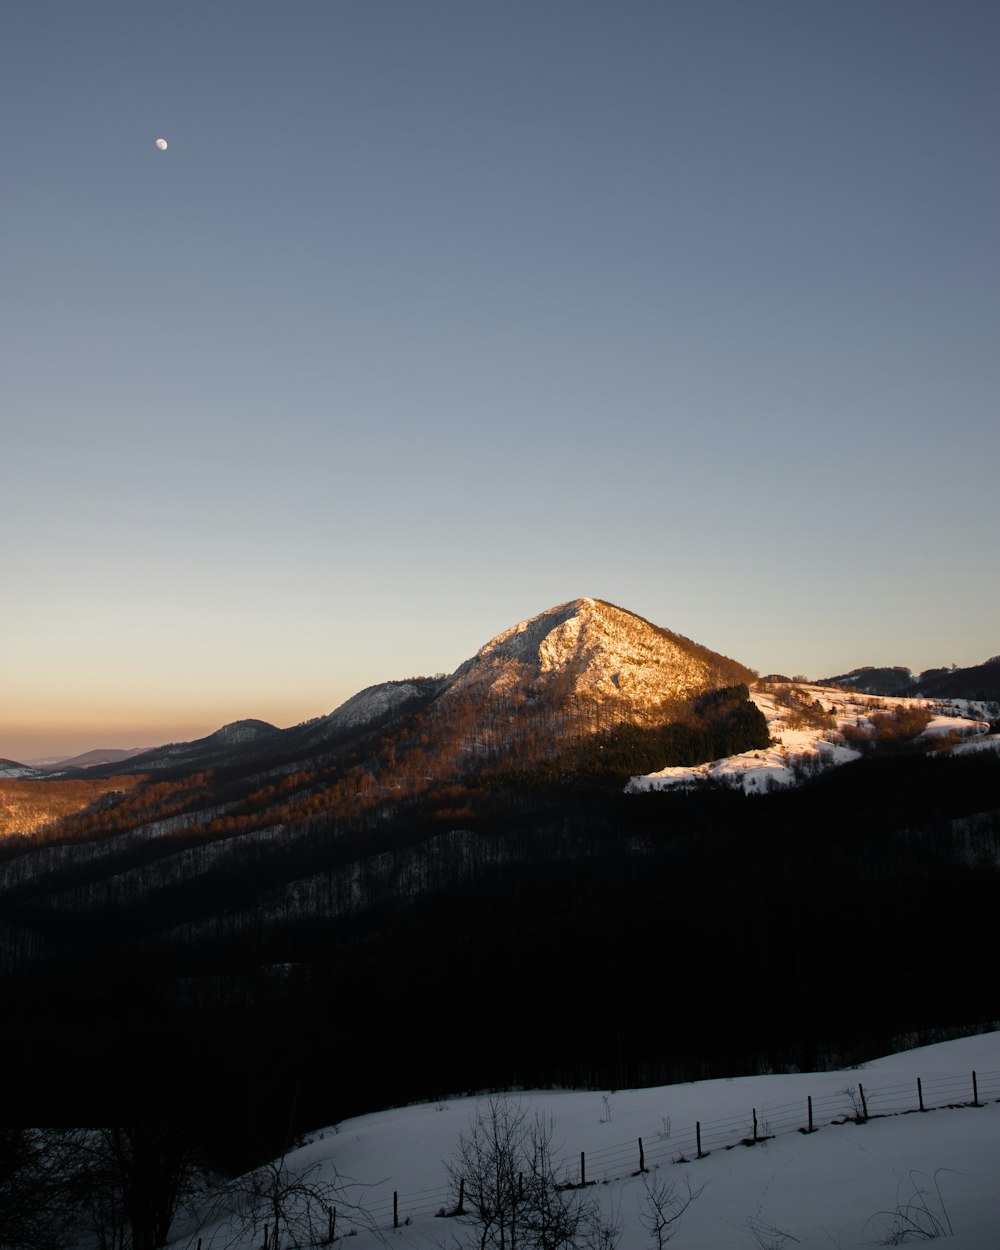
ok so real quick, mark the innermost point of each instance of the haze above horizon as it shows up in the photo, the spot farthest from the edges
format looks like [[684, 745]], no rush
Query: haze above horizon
[[432, 317]]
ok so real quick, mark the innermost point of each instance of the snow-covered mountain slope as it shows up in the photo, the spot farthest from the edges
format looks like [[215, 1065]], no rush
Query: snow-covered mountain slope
[[593, 653], [375, 705], [842, 1185], [817, 727], [240, 731], [13, 771]]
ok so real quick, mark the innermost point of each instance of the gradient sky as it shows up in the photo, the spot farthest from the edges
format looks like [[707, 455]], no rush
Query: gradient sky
[[437, 314]]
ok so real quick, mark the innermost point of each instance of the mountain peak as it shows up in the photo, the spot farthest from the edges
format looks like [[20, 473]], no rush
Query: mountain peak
[[591, 650], [240, 731], [527, 639]]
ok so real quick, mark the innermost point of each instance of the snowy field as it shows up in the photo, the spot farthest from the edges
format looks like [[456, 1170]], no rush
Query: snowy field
[[799, 747], [843, 1185]]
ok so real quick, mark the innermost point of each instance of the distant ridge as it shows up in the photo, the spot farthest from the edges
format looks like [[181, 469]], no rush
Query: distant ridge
[[871, 680], [978, 682], [215, 748], [12, 770], [981, 681], [95, 758]]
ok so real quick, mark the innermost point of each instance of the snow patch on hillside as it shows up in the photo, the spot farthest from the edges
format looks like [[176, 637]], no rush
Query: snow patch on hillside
[[370, 705], [985, 742], [12, 771], [977, 709], [523, 641], [800, 748]]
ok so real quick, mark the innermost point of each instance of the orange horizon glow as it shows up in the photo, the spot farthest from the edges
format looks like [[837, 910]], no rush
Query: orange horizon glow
[[38, 734]]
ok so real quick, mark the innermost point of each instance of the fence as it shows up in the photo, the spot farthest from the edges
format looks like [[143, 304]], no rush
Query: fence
[[855, 1103]]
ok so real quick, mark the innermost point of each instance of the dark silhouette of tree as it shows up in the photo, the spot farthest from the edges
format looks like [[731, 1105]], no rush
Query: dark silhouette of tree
[[505, 1189]]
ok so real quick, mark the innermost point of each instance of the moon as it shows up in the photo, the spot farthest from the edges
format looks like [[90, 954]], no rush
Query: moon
[[161, 144]]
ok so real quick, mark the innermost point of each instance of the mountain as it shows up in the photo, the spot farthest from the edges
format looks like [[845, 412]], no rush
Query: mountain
[[980, 682], [94, 758], [216, 748], [584, 694], [887, 680], [581, 667], [582, 690], [608, 664], [24, 772], [273, 908], [375, 709], [579, 670]]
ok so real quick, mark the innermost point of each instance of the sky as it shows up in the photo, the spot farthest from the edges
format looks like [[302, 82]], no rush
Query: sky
[[435, 315]]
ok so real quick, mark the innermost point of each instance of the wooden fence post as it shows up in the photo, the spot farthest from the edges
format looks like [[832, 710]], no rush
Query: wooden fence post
[[975, 1090], [395, 1209], [864, 1101], [331, 1224], [642, 1158], [697, 1130], [583, 1169], [460, 1210], [920, 1094], [755, 1125], [809, 1100]]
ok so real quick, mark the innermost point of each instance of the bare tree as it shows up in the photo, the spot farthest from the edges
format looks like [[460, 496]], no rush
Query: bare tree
[[149, 1162], [283, 1203], [663, 1205], [486, 1174], [37, 1191], [553, 1216], [123, 1184], [505, 1188]]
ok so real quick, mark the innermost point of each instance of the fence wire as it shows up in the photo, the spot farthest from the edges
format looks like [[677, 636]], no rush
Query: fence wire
[[667, 1145]]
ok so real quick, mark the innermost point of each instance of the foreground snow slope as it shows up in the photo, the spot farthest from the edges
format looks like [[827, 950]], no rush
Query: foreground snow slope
[[822, 1188]]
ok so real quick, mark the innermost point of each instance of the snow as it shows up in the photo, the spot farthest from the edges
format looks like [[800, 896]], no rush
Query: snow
[[986, 742], [240, 731], [976, 709], [590, 650], [523, 641], [798, 748], [823, 1189], [370, 704], [10, 770]]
